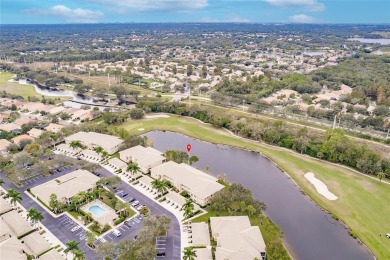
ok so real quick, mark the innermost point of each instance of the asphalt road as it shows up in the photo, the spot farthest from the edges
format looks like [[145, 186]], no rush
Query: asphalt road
[[61, 227]]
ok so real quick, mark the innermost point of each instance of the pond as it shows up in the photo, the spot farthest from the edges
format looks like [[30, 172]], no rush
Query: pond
[[363, 40], [310, 233]]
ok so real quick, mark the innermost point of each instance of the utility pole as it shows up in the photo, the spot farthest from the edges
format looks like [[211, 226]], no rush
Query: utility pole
[[334, 122]]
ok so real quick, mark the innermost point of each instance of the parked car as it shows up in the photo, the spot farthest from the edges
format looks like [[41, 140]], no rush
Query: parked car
[[135, 203], [103, 240], [75, 228], [140, 207], [131, 199], [124, 195], [116, 233], [160, 253], [128, 223]]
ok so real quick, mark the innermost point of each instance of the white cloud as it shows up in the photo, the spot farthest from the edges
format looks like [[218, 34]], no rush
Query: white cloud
[[232, 19], [153, 5], [302, 18], [77, 15], [310, 5]]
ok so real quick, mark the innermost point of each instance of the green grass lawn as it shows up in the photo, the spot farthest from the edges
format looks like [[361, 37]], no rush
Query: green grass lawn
[[18, 89], [363, 204]]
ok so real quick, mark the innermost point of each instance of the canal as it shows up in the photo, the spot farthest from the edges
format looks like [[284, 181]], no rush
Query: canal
[[310, 233]]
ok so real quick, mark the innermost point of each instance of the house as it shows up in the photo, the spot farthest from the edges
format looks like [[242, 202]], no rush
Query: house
[[203, 254], [18, 226], [200, 234], [4, 206], [11, 128], [237, 239], [18, 139], [66, 186], [12, 248], [117, 164], [35, 133], [109, 143], [24, 121], [35, 244], [4, 143], [52, 255], [145, 157], [55, 128], [199, 185], [66, 149]]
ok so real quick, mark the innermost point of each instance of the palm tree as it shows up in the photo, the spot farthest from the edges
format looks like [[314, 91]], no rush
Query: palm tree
[[75, 200], [76, 144], [14, 196], [91, 237], [78, 255], [34, 215], [160, 185], [189, 253], [1, 182], [105, 154], [120, 206], [133, 168], [188, 208], [71, 246]]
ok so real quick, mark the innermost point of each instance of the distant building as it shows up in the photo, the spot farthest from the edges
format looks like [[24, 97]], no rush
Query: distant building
[[55, 128], [146, 158], [199, 185], [18, 139], [4, 143], [35, 133], [109, 143], [11, 128], [237, 239], [17, 225]]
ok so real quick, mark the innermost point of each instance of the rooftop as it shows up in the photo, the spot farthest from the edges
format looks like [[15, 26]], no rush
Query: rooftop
[[145, 157], [12, 248], [200, 234], [4, 206], [17, 224], [4, 143], [92, 139], [36, 243], [236, 238], [66, 186], [194, 181]]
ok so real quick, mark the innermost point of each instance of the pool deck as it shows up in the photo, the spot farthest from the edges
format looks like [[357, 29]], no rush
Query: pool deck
[[107, 217]]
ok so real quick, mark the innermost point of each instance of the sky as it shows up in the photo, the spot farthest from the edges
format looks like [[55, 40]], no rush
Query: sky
[[144, 11]]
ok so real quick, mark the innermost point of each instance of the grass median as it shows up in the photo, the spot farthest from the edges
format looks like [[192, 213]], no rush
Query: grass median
[[363, 202]]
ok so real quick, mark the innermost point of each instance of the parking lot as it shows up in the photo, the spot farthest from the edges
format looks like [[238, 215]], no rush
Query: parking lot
[[128, 231], [70, 225], [43, 178], [161, 243]]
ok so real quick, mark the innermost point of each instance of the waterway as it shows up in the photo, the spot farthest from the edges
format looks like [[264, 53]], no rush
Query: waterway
[[310, 233]]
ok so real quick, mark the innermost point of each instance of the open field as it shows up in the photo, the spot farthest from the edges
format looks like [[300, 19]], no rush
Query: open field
[[18, 89], [363, 202]]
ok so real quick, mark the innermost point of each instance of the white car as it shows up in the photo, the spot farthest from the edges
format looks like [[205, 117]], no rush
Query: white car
[[135, 203], [75, 228], [116, 233], [103, 240], [140, 207]]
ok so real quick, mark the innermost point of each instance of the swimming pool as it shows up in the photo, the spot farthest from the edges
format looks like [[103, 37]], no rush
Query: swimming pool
[[96, 210]]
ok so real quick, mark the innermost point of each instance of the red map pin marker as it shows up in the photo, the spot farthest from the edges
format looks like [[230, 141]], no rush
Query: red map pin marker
[[188, 147]]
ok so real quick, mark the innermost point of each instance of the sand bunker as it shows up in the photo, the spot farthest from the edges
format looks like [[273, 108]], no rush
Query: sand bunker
[[141, 129], [320, 186], [156, 116]]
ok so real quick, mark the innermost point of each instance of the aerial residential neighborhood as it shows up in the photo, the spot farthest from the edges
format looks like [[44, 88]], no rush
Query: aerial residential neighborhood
[[195, 130]]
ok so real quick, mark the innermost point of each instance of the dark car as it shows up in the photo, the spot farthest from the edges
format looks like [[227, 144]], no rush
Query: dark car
[[128, 223], [131, 199], [160, 253], [124, 195]]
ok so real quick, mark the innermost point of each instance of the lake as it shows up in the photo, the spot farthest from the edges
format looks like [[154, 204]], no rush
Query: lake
[[310, 233], [363, 40]]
